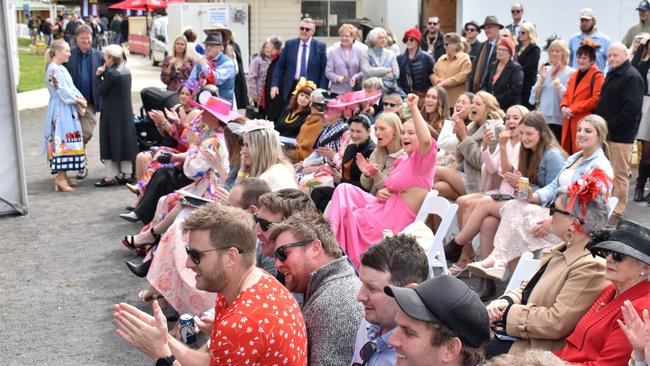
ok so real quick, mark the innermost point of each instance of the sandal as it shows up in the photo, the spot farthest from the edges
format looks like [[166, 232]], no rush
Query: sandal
[[456, 270], [148, 297], [129, 242]]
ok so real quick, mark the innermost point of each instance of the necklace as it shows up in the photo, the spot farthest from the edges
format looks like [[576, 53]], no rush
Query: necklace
[[288, 120]]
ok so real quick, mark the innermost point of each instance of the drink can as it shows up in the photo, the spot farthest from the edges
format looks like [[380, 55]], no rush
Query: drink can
[[522, 188], [186, 329]]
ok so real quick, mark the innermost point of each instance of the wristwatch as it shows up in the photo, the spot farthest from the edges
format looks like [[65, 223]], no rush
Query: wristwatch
[[166, 361]]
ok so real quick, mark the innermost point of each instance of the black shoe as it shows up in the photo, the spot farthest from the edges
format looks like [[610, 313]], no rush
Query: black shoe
[[141, 269], [105, 183], [638, 190], [453, 251], [122, 181], [487, 289]]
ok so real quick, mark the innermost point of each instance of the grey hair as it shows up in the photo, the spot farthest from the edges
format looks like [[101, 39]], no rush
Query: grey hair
[[373, 82], [372, 36], [308, 21], [597, 212], [276, 41]]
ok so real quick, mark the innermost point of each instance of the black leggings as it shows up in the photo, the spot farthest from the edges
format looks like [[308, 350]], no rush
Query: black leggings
[[164, 181]]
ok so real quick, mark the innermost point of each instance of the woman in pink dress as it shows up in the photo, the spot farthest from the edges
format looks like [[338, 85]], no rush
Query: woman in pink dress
[[358, 218]]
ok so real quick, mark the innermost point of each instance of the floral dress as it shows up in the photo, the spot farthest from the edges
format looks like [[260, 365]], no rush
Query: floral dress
[[63, 140], [178, 75]]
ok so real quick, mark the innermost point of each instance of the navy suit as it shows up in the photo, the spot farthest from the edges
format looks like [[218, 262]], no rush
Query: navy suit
[[74, 68], [285, 71]]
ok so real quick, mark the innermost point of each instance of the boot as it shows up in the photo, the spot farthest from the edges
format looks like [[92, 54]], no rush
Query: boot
[[139, 270], [487, 289], [640, 182]]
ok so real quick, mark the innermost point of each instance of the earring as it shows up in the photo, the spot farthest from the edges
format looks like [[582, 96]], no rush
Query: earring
[[568, 236]]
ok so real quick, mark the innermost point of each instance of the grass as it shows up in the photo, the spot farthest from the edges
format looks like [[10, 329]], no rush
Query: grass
[[24, 42], [32, 71]]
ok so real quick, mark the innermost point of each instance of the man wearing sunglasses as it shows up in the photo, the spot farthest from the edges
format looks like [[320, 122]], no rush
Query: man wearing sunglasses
[[433, 38], [517, 12], [392, 102], [303, 56], [309, 256], [257, 320], [439, 322], [395, 261]]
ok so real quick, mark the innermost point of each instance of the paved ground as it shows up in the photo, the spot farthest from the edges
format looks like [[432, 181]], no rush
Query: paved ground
[[62, 265]]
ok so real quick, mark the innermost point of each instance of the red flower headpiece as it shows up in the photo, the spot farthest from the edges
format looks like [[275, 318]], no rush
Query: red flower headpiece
[[587, 188]]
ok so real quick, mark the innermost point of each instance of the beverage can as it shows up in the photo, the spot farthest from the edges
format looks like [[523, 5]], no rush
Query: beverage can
[[186, 329], [522, 188]]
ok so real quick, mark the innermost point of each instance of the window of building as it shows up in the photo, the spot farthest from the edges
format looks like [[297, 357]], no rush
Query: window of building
[[329, 14]]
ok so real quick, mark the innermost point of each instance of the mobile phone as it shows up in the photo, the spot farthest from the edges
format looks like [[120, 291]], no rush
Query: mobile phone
[[501, 197]]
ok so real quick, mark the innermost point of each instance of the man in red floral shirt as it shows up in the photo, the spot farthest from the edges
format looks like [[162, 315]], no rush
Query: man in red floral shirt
[[257, 321]]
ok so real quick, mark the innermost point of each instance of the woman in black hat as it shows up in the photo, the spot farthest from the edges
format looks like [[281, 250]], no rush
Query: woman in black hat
[[598, 339]]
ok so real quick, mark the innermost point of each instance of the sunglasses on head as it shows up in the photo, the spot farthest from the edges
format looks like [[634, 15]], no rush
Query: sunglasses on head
[[281, 252], [387, 104], [616, 256], [553, 210], [196, 255]]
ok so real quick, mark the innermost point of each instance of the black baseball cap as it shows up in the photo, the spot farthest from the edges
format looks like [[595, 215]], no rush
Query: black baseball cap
[[449, 301]]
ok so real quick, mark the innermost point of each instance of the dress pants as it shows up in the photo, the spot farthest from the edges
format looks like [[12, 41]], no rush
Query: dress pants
[[163, 182], [621, 155]]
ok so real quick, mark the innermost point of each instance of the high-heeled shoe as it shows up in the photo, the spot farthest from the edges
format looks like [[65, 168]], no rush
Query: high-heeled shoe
[[133, 188], [139, 270], [61, 185], [70, 183], [130, 217], [495, 272], [456, 270], [453, 251]]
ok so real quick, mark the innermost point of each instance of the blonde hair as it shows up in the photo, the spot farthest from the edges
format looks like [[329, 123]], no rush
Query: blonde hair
[[600, 125], [264, 147], [55, 46], [454, 38], [117, 52], [186, 55], [523, 110], [532, 32], [563, 47], [492, 108], [349, 28], [393, 121]]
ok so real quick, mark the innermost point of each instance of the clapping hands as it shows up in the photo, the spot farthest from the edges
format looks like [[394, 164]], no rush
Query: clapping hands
[[367, 168]]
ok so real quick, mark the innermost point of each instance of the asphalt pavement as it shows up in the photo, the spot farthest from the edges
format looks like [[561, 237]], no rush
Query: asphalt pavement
[[62, 265]]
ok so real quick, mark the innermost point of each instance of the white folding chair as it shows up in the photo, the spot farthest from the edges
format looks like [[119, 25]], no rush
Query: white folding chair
[[436, 205], [525, 269], [612, 204]]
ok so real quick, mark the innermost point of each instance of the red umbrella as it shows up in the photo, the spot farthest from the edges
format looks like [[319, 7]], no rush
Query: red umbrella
[[146, 5]]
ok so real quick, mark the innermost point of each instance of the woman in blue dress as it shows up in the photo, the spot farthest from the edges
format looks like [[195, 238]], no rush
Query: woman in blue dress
[[63, 139]]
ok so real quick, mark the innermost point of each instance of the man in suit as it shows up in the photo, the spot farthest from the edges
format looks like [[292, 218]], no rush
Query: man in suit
[[488, 54], [517, 11], [82, 66], [303, 56]]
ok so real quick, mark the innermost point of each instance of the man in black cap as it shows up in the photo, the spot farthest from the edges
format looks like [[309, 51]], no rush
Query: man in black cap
[[487, 54], [642, 27], [440, 322], [214, 67], [471, 31]]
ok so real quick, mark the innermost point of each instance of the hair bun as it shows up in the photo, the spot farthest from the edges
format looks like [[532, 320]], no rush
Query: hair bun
[[598, 236]]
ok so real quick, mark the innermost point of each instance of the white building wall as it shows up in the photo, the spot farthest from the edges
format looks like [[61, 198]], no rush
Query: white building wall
[[561, 17]]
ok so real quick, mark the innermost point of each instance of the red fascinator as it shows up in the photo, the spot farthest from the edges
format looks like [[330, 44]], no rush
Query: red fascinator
[[587, 188]]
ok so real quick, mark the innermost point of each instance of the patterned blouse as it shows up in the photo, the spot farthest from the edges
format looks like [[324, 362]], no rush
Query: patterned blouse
[[263, 326], [178, 75]]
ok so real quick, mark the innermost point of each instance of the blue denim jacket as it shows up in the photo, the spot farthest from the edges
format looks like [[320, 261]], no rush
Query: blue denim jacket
[[549, 168], [597, 159]]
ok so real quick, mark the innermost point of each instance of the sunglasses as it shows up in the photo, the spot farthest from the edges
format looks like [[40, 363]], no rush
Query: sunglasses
[[265, 224], [196, 255], [553, 210], [386, 104], [616, 256], [367, 351], [433, 23], [515, 11], [410, 40], [304, 29], [471, 30], [281, 253]]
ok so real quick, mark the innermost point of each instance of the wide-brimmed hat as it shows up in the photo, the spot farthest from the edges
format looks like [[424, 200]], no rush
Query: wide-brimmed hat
[[219, 28], [353, 98], [628, 238], [491, 20], [449, 301], [220, 108]]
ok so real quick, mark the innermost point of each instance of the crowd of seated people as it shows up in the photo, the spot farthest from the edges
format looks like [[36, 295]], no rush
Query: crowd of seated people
[[295, 210]]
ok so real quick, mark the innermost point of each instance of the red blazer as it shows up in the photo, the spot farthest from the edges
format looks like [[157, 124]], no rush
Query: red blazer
[[582, 101], [598, 340]]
